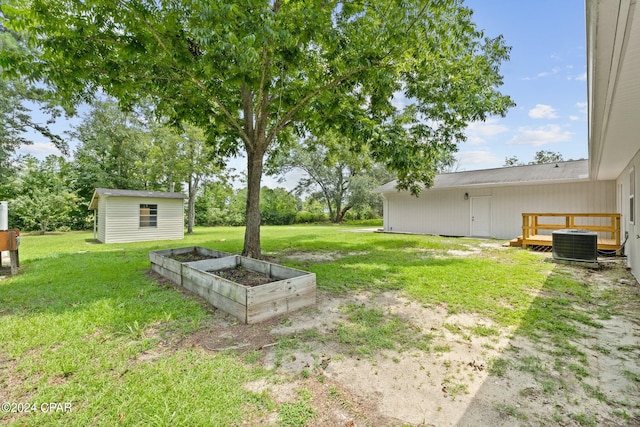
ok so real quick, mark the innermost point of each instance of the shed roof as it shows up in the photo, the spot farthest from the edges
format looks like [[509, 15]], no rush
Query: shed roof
[[574, 170], [112, 192]]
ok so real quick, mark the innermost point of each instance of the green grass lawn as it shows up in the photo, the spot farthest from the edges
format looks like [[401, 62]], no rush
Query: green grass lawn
[[84, 323]]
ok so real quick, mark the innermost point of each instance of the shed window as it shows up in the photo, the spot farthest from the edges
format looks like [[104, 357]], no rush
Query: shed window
[[148, 215]]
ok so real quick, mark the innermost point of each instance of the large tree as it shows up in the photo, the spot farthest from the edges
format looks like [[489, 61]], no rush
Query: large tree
[[110, 150], [196, 167], [251, 73], [333, 172]]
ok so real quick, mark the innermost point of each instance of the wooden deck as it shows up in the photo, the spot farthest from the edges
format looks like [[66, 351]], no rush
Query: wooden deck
[[607, 225], [546, 240]]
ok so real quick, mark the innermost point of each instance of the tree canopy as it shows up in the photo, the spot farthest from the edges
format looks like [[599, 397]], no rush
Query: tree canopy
[[16, 117], [109, 153], [541, 157], [252, 74]]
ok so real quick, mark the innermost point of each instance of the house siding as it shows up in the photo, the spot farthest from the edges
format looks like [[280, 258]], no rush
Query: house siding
[[632, 247], [446, 212], [122, 219]]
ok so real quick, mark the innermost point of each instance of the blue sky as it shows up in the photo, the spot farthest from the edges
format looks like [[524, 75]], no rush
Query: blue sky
[[546, 77]]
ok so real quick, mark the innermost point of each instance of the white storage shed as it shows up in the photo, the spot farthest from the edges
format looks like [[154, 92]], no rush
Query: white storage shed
[[137, 216], [490, 202]]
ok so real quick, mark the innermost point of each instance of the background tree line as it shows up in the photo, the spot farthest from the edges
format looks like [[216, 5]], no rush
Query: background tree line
[[133, 151]]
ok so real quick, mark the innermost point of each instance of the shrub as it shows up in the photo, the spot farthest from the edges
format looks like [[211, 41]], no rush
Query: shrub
[[306, 217]]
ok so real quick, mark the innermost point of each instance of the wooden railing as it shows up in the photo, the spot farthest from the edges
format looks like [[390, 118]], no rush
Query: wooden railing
[[608, 234]]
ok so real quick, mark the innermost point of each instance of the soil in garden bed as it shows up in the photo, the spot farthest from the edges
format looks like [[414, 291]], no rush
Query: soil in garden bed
[[243, 276], [190, 257]]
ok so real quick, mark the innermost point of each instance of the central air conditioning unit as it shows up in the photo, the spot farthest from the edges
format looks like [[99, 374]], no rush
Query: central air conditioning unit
[[575, 245]]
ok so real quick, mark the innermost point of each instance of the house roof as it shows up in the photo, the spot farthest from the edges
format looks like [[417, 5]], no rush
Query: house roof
[[571, 171], [613, 83], [112, 192]]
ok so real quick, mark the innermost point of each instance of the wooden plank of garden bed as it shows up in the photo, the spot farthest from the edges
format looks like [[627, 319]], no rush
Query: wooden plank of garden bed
[[271, 299], [274, 307], [256, 265], [222, 294], [192, 277], [280, 272], [281, 288], [215, 263], [168, 267], [175, 251], [211, 252], [167, 273]]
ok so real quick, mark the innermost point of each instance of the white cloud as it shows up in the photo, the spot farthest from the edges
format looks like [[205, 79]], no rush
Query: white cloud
[[478, 157], [478, 132], [540, 136], [399, 100], [574, 118], [582, 106], [554, 70], [580, 77], [288, 181], [40, 149], [542, 111]]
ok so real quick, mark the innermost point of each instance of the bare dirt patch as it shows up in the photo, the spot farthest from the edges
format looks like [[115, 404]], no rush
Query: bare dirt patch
[[472, 373], [225, 333]]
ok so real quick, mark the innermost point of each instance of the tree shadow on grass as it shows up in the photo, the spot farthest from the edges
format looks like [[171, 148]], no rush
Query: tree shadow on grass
[[564, 364], [101, 290]]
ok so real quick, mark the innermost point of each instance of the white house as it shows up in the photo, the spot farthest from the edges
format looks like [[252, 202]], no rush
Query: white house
[[490, 202], [613, 77], [136, 216]]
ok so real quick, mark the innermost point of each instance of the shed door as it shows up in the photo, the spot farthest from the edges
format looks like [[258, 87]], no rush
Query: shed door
[[481, 216]]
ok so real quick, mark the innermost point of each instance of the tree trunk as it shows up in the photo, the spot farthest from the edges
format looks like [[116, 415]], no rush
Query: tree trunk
[[338, 217], [255, 158], [191, 205], [338, 197], [327, 199], [340, 214]]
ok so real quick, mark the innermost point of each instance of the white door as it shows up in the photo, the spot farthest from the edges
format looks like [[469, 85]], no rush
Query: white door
[[481, 216]]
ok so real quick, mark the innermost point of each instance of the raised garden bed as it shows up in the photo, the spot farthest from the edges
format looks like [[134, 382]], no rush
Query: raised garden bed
[[168, 262], [249, 289]]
